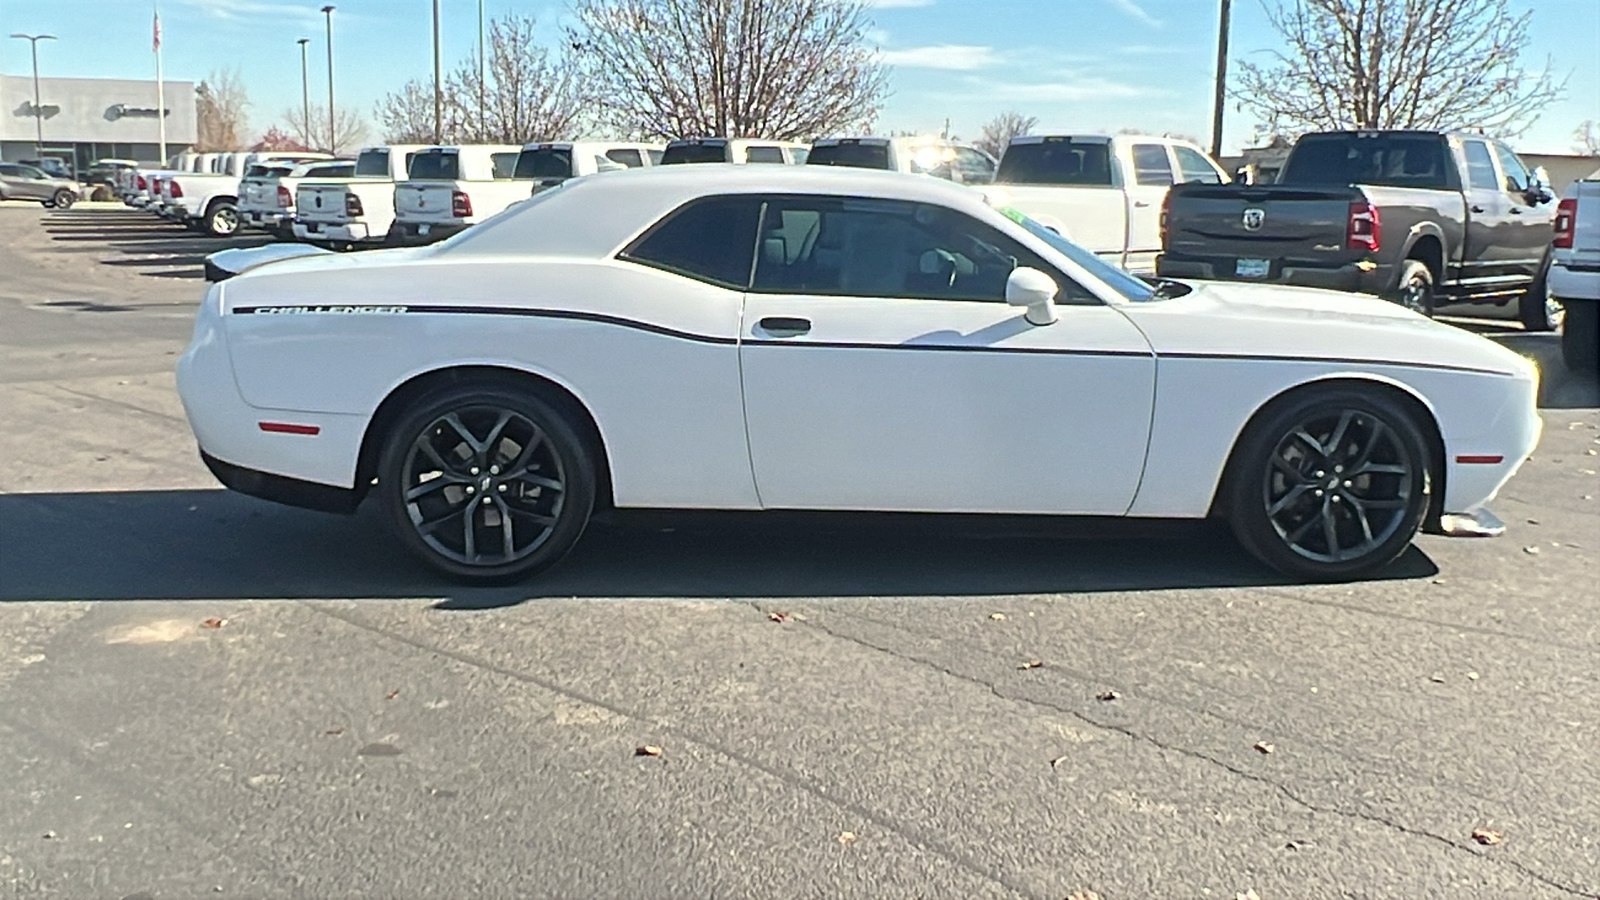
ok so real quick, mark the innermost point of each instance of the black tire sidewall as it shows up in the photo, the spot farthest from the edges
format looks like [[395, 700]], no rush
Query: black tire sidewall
[[63, 199], [1531, 309], [1410, 270], [577, 457], [1580, 335], [1251, 457], [213, 213]]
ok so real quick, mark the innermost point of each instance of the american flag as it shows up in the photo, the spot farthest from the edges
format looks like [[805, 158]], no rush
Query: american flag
[[155, 34]]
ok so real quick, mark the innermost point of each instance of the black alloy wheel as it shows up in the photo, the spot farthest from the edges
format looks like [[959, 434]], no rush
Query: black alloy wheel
[[486, 482], [1330, 485], [1415, 291]]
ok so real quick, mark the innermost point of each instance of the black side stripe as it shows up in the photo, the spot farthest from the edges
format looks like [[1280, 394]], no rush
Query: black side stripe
[[581, 316]]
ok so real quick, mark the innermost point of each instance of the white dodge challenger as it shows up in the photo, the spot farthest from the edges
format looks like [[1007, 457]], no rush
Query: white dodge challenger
[[775, 337]]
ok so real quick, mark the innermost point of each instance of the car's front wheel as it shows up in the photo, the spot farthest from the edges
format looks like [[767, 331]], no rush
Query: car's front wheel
[[487, 482], [63, 199], [1329, 484]]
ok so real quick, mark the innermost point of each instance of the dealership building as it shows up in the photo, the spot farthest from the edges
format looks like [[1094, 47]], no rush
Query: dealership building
[[85, 119]]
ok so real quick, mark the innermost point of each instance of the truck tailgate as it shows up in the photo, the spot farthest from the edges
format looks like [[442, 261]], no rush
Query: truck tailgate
[[424, 201], [1264, 222], [321, 202], [258, 193]]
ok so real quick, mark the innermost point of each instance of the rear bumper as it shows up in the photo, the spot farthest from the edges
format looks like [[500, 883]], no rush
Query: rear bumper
[[320, 231], [1349, 277], [264, 219], [411, 234], [281, 489], [1574, 282]]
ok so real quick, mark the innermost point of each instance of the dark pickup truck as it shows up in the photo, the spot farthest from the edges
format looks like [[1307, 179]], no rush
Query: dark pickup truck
[[1423, 218]]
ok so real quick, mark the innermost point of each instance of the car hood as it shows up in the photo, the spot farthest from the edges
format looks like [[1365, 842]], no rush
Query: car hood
[[1274, 321]]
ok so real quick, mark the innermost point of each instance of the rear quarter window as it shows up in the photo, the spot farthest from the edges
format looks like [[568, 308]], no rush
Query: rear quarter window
[[711, 240]]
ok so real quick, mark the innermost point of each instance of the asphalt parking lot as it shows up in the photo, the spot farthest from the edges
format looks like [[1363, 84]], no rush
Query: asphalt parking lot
[[202, 694]]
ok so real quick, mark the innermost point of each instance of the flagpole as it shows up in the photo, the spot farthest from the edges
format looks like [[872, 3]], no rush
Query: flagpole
[[161, 87]]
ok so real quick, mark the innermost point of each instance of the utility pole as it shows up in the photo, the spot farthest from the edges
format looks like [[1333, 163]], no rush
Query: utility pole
[[38, 114], [305, 92], [332, 138], [483, 109], [1222, 82], [438, 90]]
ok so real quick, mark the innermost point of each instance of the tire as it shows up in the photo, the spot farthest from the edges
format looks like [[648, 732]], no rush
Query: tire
[[446, 453], [1580, 335], [1414, 289], [64, 199], [1291, 502], [1536, 309], [221, 219]]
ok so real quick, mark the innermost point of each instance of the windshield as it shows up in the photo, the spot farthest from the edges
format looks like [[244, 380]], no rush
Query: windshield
[[545, 162], [1056, 161], [852, 154], [1393, 160], [1129, 287], [695, 153]]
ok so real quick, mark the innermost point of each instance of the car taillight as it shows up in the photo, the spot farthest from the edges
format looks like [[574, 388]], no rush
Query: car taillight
[[352, 205], [138, 182], [1566, 220], [460, 204], [285, 199], [174, 189], [1362, 231], [1166, 218]]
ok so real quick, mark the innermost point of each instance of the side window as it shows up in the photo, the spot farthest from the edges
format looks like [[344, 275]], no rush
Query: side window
[[1194, 166], [708, 240], [799, 155], [973, 167], [626, 156], [1516, 173], [853, 247], [655, 157], [763, 155], [504, 164], [1480, 167], [1150, 164]]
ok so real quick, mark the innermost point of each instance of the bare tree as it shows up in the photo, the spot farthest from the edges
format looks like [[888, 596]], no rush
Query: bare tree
[[1429, 64], [529, 95], [220, 104], [789, 69], [349, 131], [999, 131], [407, 114], [1586, 138]]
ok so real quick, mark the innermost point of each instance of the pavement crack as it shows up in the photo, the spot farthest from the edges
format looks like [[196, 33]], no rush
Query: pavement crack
[[1134, 735]]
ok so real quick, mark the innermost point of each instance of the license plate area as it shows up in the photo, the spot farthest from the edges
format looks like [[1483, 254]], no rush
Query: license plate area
[[1252, 268]]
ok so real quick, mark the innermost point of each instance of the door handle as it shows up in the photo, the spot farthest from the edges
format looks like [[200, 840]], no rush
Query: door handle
[[1141, 204], [785, 326], [1476, 208]]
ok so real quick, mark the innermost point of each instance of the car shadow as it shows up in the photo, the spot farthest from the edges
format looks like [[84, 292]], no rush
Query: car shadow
[[211, 544], [1559, 387]]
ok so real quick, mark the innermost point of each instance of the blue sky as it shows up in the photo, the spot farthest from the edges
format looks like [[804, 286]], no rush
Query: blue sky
[[1078, 65]]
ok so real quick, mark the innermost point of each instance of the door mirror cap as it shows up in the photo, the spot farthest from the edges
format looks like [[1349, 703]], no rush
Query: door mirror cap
[[1034, 290], [1539, 187]]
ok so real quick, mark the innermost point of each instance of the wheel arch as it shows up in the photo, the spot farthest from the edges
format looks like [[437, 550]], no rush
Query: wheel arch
[[405, 393], [1427, 420], [1427, 247], [220, 198]]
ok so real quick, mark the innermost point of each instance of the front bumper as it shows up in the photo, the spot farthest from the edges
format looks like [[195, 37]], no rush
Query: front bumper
[[1352, 277]]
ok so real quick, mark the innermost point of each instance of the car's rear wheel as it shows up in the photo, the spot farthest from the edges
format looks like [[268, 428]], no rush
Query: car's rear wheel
[[487, 482], [1415, 290], [221, 220], [1580, 335], [64, 199], [1536, 309], [1329, 484]]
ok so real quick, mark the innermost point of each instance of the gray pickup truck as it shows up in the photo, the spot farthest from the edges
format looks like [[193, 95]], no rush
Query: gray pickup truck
[[1424, 218]]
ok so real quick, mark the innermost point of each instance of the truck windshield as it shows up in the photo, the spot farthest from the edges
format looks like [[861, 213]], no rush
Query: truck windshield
[[695, 153], [372, 164], [545, 162], [853, 154], [435, 166], [1392, 160], [1056, 161]]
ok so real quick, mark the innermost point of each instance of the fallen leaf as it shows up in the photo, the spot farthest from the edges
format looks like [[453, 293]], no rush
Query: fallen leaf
[[392, 694], [334, 731], [1531, 551], [1056, 763], [1472, 676], [212, 622], [778, 616], [1247, 895], [998, 617], [1083, 895], [647, 750], [1437, 679], [1265, 747], [1294, 845], [846, 837], [1108, 696], [1486, 837], [1031, 664], [1533, 521], [48, 835]]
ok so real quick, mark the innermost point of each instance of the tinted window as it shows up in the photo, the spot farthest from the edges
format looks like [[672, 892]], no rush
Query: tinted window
[[655, 157], [1516, 173], [1150, 164], [1194, 166], [799, 155], [1480, 167], [329, 171], [503, 165], [545, 162], [884, 248], [763, 155], [6, 169], [854, 155], [695, 153], [373, 163], [628, 157], [443, 166], [710, 240], [1056, 161], [1396, 160], [973, 167]]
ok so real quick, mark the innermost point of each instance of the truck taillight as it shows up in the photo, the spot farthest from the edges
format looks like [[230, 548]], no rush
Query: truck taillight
[[1566, 222], [138, 182], [352, 205], [174, 189], [1166, 218], [285, 199], [1362, 230], [460, 204]]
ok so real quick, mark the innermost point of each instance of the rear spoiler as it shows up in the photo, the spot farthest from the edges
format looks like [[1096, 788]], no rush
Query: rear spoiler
[[225, 264]]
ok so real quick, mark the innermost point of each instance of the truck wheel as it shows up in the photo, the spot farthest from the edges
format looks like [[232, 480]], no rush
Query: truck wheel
[[1415, 291], [1537, 310], [222, 219], [1580, 335]]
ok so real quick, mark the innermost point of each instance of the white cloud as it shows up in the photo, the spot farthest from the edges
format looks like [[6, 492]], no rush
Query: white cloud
[[1079, 89], [959, 57], [899, 4], [1134, 9]]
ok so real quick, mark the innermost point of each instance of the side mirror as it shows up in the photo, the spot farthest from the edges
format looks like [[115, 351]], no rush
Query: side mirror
[[1539, 187], [1034, 290]]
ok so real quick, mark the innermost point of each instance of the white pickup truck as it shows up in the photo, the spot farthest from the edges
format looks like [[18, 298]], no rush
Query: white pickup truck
[[950, 160], [1574, 277], [1103, 193], [734, 150], [209, 202], [355, 211], [266, 195], [547, 164], [449, 188]]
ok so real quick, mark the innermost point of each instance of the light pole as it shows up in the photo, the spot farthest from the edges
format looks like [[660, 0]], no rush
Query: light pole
[[438, 91], [483, 107], [38, 114], [305, 92], [328, 12], [1222, 83]]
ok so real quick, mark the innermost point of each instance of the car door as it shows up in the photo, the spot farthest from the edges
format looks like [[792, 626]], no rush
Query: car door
[[1152, 176], [28, 183], [1528, 225], [1487, 214], [883, 370]]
